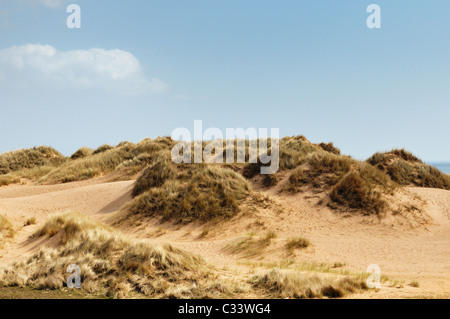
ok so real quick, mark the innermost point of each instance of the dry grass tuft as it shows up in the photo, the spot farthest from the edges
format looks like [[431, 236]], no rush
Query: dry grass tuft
[[279, 284], [103, 148], [7, 230], [327, 169], [6, 180], [199, 193], [406, 169], [270, 180], [127, 158], [251, 245], [297, 243], [30, 221], [320, 170], [82, 152], [329, 147], [111, 264], [29, 158], [154, 176], [353, 185], [293, 152], [353, 192]]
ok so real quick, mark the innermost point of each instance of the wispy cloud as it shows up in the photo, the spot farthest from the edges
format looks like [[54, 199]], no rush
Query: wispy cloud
[[112, 70]]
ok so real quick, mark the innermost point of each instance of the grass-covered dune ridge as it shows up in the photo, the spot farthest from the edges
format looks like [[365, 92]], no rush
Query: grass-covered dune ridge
[[29, 158], [187, 192], [197, 192], [126, 158], [406, 169]]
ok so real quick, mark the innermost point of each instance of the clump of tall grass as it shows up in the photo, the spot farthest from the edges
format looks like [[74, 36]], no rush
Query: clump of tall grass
[[270, 180], [295, 181], [327, 169], [251, 245], [200, 193], [111, 264], [406, 169], [320, 170], [6, 180], [29, 158], [297, 243], [354, 193], [108, 160], [103, 148], [32, 174], [293, 151], [30, 221], [353, 185], [82, 152], [7, 230], [283, 284], [329, 147], [154, 176]]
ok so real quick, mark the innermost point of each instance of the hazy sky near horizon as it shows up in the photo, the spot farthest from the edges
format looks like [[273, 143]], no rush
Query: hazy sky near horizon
[[143, 68]]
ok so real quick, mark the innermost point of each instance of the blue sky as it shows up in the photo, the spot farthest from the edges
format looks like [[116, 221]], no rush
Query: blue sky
[[142, 68]]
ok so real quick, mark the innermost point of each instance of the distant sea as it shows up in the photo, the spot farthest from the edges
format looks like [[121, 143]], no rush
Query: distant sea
[[444, 167]]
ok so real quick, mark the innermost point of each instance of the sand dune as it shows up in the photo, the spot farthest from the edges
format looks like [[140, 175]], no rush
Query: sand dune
[[403, 252], [92, 197]]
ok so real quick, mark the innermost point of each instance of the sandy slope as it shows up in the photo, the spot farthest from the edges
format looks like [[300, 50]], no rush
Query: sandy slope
[[19, 203], [401, 251]]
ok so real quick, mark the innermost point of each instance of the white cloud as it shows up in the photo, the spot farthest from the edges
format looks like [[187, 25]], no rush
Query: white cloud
[[112, 70]]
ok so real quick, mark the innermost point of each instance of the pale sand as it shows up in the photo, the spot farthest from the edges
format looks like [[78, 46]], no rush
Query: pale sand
[[404, 251]]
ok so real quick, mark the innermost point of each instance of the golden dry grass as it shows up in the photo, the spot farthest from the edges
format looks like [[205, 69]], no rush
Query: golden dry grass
[[354, 193], [297, 243], [30, 221], [28, 163], [111, 264], [284, 284], [29, 158], [155, 175], [126, 157], [251, 245], [406, 169], [199, 193], [351, 185], [82, 152], [114, 265], [8, 179], [184, 192], [7, 230]]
